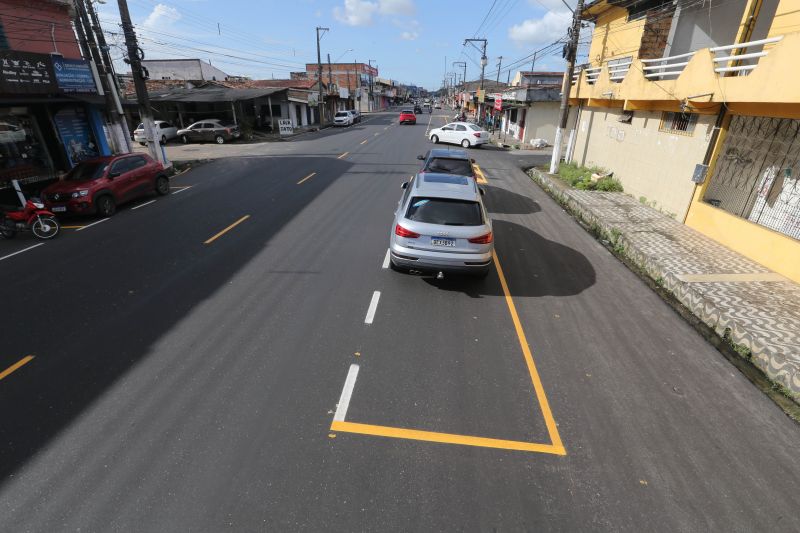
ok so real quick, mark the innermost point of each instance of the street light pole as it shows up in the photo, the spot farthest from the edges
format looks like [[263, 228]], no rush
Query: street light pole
[[321, 101], [499, 65]]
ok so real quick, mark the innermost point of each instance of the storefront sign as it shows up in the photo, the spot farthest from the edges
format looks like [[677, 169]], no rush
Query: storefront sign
[[498, 104], [74, 76], [285, 127], [76, 135], [26, 73], [481, 95]]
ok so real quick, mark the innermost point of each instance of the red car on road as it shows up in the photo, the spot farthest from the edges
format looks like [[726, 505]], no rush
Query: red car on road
[[99, 185], [407, 116]]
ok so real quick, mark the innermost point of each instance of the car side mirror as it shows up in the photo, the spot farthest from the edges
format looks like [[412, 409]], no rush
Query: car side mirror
[[404, 185], [112, 175], [421, 157], [483, 191]]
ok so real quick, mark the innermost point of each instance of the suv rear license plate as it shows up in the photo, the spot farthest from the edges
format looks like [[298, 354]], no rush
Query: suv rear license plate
[[60, 209], [443, 241]]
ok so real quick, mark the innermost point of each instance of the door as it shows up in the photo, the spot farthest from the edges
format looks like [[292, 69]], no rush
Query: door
[[139, 177], [447, 133], [459, 134], [119, 178], [196, 131], [208, 131]]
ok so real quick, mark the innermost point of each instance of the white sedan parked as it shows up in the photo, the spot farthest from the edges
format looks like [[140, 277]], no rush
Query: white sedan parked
[[164, 132], [464, 133]]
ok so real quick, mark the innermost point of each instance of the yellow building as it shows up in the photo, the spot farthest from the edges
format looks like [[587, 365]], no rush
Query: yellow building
[[695, 106]]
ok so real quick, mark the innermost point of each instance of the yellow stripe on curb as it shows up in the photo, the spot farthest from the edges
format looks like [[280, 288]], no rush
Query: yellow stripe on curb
[[8, 371]]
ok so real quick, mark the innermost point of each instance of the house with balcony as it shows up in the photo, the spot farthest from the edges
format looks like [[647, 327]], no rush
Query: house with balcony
[[695, 107], [529, 108]]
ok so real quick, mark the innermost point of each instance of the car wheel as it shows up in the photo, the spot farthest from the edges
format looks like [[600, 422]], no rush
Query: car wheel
[[219, 139], [106, 206], [162, 185], [184, 139], [163, 139], [465, 143], [435, 139]]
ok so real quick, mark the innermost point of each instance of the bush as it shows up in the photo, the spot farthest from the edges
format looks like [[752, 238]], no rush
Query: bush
[[581, 178], [608, 184]]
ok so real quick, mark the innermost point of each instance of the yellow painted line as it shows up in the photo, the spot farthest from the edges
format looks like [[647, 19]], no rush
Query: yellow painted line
[[226, 230], [444, 438], [481, 177], [307, 177], [72, 227], [549, 421], [344, 154], [25, 360]]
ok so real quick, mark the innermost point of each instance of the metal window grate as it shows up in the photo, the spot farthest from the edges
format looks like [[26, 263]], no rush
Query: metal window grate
[[680, 123], [757, 172]]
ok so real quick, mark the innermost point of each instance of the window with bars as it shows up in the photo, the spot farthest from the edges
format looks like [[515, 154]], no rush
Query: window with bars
[[681, 123]]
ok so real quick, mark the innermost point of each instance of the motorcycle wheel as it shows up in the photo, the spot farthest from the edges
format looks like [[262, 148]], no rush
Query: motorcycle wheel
[[45, 227]]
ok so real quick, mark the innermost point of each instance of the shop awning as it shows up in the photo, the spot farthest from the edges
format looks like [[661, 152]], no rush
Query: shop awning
[[214, 94]]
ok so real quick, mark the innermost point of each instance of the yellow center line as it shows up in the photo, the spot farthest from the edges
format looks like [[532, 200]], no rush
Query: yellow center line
[[363, 142], [25, 360], [344, 154], [481, 177], [549, 421], [307, 177], [72, 227], [226, 230]]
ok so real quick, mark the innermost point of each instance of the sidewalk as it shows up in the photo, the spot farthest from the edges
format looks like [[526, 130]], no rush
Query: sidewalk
[[757, 308]]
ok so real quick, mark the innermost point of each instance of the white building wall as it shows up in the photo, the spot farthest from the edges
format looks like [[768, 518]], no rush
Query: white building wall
[[651, 164]]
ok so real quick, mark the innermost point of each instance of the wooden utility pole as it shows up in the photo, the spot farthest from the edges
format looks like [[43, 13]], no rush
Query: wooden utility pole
[[321, 103]]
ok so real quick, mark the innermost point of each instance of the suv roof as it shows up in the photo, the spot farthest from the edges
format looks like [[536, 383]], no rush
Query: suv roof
[[448, 152], [446, 186]]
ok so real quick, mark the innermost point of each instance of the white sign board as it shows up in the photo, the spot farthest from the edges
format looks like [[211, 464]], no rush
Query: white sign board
[[285, 127]]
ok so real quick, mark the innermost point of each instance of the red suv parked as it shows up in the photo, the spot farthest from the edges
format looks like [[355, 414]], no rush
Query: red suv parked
[[407, 116], [99, 185]]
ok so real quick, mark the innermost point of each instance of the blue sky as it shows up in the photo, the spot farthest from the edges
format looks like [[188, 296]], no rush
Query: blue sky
[[409, 39]]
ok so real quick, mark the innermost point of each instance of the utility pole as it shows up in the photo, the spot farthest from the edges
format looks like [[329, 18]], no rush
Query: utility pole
[[321, 103], [570, 50], [464, 79], [135, 56], [484, 59], [533, 63], [499, 64], [371, 85]]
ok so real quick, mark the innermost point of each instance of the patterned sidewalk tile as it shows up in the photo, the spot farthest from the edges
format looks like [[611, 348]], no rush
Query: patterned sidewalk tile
[[759, 311]]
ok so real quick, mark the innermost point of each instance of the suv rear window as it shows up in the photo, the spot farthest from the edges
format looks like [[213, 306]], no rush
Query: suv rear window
[[444, 211], [448, 165]]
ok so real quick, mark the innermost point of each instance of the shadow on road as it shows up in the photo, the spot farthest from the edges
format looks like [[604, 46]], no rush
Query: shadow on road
[[533, 267], [503, 201]]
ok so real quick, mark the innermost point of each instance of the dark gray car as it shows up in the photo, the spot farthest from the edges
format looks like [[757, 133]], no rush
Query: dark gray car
[[209, 130]]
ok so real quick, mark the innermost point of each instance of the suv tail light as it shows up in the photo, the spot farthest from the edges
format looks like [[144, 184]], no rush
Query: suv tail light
[[403, 232], [477, 135], [483, 239]]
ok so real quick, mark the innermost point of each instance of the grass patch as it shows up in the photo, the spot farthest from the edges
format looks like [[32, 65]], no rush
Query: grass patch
[[581, 178]]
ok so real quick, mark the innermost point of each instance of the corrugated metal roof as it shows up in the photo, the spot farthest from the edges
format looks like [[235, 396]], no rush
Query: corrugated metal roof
[[213, 94]]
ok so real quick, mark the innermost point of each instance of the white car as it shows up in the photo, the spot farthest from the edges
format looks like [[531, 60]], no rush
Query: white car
[[164, 132], [356, 115], [343, 118], [464, 133]]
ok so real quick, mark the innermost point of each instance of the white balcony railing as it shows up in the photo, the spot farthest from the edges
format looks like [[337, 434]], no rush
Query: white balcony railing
[[617, 71], [731, 62], [666, 67], [592, 73]]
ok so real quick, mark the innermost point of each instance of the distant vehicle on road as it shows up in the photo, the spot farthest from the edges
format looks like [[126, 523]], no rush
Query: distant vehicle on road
[[437, 105], [356, 115], [407, 116], [99, 185], [441, 225], [209, 130], [417, 110], [164, 132], [343, 118], [447, 161], [464, 133]]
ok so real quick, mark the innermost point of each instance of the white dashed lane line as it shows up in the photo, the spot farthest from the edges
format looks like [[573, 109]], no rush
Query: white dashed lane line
[[373, 306]]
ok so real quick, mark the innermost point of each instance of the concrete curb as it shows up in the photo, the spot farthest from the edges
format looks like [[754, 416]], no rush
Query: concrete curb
[[771, 359]]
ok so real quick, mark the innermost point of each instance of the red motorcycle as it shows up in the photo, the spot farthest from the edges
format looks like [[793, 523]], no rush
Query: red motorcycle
[[33, 217]]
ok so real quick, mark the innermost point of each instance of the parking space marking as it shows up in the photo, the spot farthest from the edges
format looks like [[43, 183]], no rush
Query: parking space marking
[[307, 177], [343, 155], [142, 205], [20, 251], [386, 260], [373, 306], [481, 177], [555, 447], [181, 189], [347, 393], [22, 362], [93, 224], [226, 230]]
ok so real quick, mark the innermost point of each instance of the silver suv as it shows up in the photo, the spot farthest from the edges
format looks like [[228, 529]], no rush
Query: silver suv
[[441, 225]]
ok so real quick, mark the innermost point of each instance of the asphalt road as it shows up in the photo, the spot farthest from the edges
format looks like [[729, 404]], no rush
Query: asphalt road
[[182, 382]]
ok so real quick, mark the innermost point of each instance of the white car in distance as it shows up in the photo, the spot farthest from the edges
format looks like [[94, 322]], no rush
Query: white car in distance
[[343, 118], [164, 132], [466, 134]]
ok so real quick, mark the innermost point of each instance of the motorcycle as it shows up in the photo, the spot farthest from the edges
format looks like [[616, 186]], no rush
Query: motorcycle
[[33, 217]]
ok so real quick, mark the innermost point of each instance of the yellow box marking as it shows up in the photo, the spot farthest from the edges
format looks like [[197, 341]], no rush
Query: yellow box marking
[[343, 155], [481, 177], [307, 177], [226, 230], [556, 447], [25, 360]]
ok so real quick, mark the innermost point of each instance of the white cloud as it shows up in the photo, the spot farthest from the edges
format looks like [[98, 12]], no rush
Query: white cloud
[[161, 16], [397, 7], [409, 35], [552, 26], [355, 12]]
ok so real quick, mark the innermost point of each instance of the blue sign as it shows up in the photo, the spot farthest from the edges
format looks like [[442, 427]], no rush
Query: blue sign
[[73, 127], [73, 75]]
